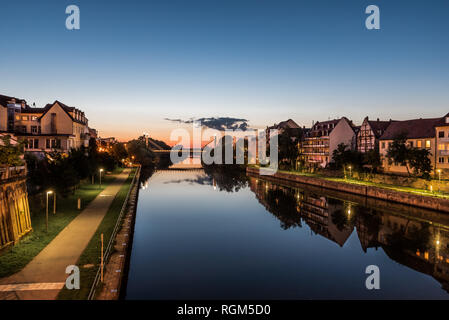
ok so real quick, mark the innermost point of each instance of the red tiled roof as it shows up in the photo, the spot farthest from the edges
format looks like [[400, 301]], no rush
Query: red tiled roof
[[381, 126], [413, 129]]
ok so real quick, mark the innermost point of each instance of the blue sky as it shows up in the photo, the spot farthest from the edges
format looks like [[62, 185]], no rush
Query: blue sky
[[134, 63]]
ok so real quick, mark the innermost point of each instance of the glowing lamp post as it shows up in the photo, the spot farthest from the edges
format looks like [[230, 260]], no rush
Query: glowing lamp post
[[46, 212], [350, 171], [101, 170]]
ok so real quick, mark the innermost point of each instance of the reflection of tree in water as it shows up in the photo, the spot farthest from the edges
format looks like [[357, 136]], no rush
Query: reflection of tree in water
[[229, 178], [341, 218], [412, 238], [282, 203], [146, 172]]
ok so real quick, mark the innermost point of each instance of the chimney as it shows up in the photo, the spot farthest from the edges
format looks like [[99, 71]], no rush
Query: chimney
[[377, 119]]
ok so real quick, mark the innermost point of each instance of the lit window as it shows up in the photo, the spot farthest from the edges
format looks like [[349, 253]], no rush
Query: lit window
[[427, 144], [419, 144]]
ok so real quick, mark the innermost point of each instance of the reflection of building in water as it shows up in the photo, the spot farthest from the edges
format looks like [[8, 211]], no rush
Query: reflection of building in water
[[417, 242], [419, 245], [280, 201], [321, 214]]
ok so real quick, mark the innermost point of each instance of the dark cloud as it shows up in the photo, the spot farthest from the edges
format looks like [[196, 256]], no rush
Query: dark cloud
[[220, 123]]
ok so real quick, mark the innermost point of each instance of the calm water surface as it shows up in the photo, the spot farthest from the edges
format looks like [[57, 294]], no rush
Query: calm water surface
[[216, 235]]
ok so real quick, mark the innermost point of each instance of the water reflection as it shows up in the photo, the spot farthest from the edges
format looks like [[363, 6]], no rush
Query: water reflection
[[218, 234], [414, 240]]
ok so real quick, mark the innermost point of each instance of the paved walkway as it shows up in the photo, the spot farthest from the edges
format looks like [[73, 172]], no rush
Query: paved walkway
[[47, 270]]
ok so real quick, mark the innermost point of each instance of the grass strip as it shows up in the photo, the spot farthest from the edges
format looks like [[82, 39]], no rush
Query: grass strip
[[89, 260], [421, 192], [15, 258]]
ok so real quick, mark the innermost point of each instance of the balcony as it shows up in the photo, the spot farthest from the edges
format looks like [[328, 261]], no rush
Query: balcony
[[306, 153], [443, 152], [8, 174]]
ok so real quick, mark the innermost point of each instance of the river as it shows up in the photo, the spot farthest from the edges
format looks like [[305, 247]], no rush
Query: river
[[219, 235]]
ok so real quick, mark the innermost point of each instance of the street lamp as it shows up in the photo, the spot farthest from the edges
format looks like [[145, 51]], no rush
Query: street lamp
[[54, 203], [350, 172], [101, 170], [46, 214], [439, 175]]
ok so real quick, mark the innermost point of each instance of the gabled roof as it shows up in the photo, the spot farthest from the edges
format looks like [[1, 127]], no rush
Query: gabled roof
[[64, 107], [285, 125], [442, 122], [379, 127], [413, 129], [4, 100]]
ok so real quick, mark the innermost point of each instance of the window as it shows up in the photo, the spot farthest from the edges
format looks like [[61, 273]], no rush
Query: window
[[34, 129], [17, 117], [23, 129], [441, 146], [56, 143], [411, 144], [34, 118], [36, 143], [441, 134], [383, 145], [47, 143], [440, 160], [25, 118], [428, 144], [419, 144]]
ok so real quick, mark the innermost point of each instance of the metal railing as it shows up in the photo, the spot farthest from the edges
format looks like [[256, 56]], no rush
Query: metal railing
[[108, 250]]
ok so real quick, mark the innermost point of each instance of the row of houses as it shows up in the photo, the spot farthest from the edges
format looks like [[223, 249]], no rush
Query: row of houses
[[319, 142], [53, 127]]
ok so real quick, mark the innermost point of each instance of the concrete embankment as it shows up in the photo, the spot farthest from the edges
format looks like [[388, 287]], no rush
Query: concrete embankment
[[427, 202], [116, 268]]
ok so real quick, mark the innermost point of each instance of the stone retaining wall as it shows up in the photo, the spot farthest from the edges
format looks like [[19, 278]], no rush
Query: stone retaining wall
[[427, 202]]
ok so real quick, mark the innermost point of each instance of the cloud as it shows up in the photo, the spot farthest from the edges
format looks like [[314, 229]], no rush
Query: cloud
[[220, 123]]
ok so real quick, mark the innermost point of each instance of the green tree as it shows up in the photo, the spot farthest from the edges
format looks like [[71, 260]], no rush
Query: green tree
[[416, 159], [119, 152], [288, 148], [10, 155], [419, 160], [342, 156], [398, 152], [372, 160], [142, 154]]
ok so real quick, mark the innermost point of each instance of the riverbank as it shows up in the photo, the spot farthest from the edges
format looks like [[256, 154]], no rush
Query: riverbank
[[427, 201], [89, 261], [15, 258]]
